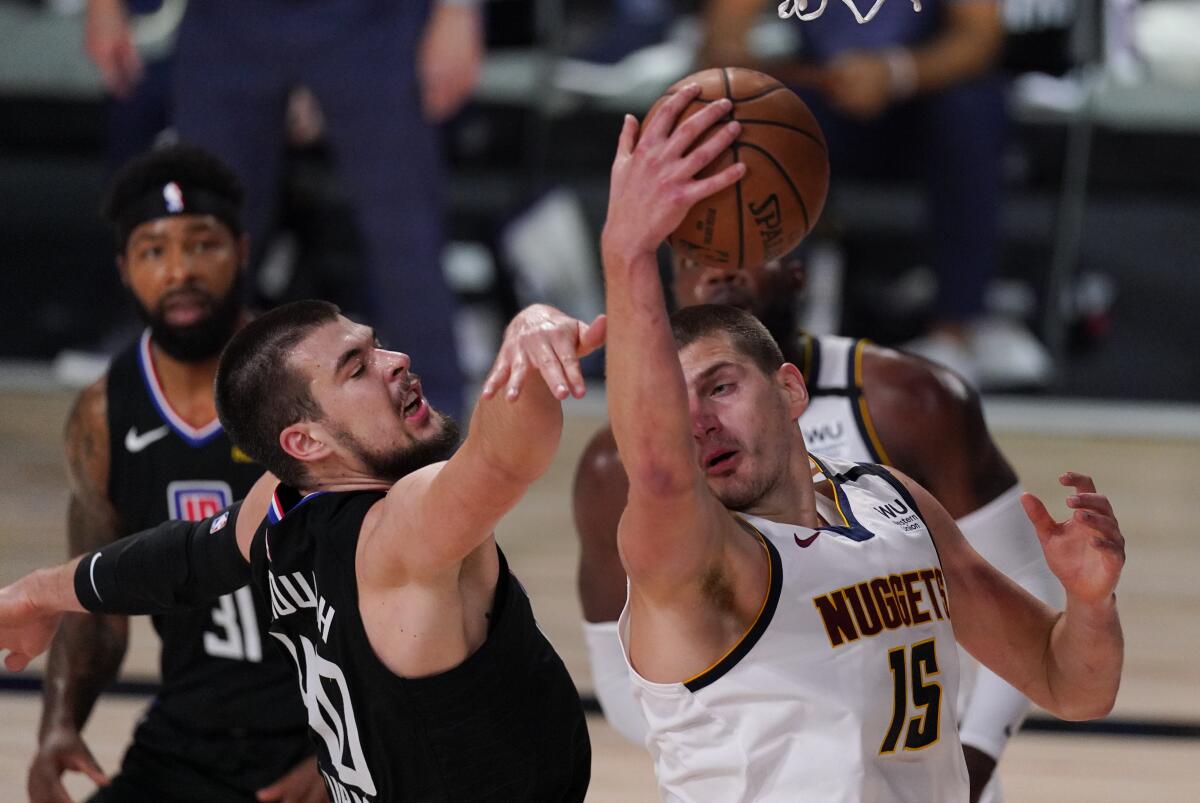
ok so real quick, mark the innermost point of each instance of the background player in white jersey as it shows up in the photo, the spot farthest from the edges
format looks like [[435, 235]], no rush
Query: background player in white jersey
[[867, 404], [711, 600]]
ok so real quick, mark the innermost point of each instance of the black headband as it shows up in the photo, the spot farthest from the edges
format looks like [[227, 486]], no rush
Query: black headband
[[171, 199]]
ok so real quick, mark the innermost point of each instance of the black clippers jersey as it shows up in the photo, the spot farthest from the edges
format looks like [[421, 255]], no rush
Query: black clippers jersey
[[505, 725], [221, 683]]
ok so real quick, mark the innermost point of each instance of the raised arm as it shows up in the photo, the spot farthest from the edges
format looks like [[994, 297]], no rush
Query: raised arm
[[1070, 662], [87, 652], [513, 436], [672, 526]]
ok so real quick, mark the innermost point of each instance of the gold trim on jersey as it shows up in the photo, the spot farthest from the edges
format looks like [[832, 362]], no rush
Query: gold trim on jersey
[[752, 633]]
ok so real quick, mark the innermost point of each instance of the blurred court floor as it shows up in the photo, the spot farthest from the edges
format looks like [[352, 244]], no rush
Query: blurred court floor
[[1152, 480]]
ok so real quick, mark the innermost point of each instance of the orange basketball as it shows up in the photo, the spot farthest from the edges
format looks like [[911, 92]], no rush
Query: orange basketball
[[778, 201]]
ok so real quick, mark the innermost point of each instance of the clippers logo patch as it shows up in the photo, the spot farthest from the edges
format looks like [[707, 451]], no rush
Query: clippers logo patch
[[196, 500], [173, 196]]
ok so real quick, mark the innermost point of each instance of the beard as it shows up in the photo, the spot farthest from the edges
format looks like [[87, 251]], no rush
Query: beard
[[397, 463], [745, 493], [203, 339]]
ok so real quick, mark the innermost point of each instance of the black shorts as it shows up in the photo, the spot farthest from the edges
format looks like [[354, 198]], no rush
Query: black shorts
[[150, 775]]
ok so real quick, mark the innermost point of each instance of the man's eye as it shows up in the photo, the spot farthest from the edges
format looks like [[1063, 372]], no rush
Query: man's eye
[[358, 372], [721, 388]]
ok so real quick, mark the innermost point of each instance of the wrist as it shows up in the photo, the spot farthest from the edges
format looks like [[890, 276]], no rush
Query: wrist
[[902, 72], [52, 591], [618, 255], [1087, 610]]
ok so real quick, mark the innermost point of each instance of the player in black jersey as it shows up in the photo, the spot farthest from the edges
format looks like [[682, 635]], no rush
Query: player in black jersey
[[144, 445], [423, 672]]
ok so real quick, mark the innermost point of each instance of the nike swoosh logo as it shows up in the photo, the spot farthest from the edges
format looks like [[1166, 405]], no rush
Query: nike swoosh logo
[[135, 443], [805, 543]]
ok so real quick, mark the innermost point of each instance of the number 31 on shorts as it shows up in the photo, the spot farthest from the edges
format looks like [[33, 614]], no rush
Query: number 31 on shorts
[[912, 666]]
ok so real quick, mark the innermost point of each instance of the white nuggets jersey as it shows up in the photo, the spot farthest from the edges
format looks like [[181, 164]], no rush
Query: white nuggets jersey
[[836, 422], [843, 690]]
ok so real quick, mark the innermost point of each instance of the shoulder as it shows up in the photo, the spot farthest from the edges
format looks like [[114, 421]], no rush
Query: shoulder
[[911, 386]]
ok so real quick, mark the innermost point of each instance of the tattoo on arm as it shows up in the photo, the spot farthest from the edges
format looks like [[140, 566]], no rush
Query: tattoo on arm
[[88, 650]]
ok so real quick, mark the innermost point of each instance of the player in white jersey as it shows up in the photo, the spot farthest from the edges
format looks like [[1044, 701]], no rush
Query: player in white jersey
[[867, 404], [768, 669]]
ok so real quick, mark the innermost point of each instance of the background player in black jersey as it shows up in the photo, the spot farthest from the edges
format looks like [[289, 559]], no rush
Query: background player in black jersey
[[424, 674], [143, 444], [893, 408]]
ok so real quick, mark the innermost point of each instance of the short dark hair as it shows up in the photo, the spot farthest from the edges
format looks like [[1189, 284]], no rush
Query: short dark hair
[[746, 332], [259, 393], [184, 164]]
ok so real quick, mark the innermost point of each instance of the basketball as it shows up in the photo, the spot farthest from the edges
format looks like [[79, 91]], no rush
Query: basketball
[[778, 201]]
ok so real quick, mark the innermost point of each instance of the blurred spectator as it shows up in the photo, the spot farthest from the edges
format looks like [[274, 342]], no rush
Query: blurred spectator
[[384, 74], [907, 90]]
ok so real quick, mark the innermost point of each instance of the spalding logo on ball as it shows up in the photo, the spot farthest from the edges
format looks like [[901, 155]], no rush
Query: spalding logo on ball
[[777, 202]]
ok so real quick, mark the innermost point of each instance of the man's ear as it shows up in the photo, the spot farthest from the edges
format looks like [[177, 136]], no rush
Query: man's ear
[[791, 381], [123, 269], [306, 441]]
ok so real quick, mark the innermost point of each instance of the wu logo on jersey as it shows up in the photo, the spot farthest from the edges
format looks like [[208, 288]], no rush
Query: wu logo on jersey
[[892, 509], [331, 716], [823, 433]]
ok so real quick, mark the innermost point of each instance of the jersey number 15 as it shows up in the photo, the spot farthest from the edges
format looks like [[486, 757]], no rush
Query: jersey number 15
[[912, 666]]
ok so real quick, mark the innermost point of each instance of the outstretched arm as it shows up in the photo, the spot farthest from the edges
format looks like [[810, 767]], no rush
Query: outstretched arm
[[670, 531], [1068, 662], [174, 566], [512, 439]]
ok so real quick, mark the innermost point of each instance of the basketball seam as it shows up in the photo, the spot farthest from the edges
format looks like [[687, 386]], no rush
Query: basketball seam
[[746, 99], [787, 178], [737, 187], [761, 94], [797, 129]]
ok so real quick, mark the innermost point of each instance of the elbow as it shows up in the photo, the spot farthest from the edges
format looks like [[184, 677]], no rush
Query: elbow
[[1082, 712], [656, 479], [1095, 705]]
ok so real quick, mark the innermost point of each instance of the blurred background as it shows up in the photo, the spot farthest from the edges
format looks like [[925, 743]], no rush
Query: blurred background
[[1079, 323]]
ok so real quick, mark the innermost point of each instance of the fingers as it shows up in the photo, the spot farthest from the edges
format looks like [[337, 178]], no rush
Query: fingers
[[15, 661], [516, 378], [660, 127], [703, 188], [1091, 501], [1043, 522], [1082, 483], [694, 127], [1098, 521], [628, 138], [497, 377], [591, 336], [552, 365], [82, 762], [708, 150]]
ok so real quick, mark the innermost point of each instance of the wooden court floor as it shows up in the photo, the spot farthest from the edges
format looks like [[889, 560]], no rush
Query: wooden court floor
[[1152, 482]]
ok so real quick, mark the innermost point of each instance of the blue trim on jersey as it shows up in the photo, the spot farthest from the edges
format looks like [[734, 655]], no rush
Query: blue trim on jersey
[[190, 435], [854, 531], [276, 512]]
